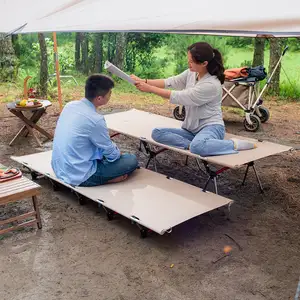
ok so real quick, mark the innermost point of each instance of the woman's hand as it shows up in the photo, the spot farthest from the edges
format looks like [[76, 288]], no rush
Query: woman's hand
[[144, 87], [136, 79]]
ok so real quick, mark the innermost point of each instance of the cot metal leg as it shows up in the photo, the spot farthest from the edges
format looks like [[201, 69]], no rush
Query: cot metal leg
[[187, 159], [216, 185], [246, 173], [206, 184], [110, 214], [251, 164], [151, 154], [55, 186], [199, 166], [144, 231], [81, 199], [213, 176]]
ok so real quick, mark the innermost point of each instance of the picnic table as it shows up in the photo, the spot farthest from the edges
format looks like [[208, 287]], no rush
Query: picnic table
[[19, 189], [30, 123]]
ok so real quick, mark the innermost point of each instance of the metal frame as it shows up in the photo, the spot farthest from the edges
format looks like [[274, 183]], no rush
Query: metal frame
[[212, 174]]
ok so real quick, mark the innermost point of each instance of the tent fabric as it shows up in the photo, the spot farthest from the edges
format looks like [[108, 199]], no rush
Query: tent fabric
[[231, 17]]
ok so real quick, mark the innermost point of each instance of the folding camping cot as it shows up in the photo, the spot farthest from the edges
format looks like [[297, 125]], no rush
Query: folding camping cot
[[139, 124], [150, 200]]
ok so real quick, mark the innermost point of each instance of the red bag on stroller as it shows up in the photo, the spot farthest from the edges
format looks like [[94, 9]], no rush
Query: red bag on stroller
[[236, 73]]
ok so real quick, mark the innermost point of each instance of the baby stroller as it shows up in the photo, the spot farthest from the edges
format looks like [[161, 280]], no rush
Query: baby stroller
[[240, 90]]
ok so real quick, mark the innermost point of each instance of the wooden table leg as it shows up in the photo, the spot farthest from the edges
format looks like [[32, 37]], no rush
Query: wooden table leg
[[35, 118], [33, 125], [20, 132], [34, 135], [37, 210], [30, 124]]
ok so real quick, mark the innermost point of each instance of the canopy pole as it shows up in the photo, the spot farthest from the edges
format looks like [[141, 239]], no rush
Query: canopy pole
[[57, 72]]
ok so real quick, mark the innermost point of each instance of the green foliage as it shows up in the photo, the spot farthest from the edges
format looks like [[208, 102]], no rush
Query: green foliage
[[290, 90], [239, 42], [246, 63], [140, 53], [148, 55], [178, 44]]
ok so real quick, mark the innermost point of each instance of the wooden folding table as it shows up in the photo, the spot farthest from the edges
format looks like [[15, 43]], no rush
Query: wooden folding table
[[30, 123], [16, 190]]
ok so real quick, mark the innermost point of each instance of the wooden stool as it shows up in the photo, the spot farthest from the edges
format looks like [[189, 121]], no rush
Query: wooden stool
[[16, 190]]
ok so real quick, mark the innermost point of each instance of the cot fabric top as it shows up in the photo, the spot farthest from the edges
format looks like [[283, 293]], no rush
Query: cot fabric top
[[139, 124]]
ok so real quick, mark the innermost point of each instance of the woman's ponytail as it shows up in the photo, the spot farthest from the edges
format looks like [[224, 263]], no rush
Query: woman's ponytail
[[215, 66]]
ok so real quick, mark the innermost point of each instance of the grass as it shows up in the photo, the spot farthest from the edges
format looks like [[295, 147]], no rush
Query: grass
[[290, 77]]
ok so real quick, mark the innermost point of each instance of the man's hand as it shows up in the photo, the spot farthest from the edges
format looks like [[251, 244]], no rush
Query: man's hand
[[144, 87]]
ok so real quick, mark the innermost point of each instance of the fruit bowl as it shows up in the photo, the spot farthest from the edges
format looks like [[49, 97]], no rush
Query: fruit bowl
[[28, 104]]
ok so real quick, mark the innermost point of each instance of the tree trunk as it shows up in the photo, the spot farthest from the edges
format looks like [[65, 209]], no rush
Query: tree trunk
[[43, 65], [85, 53], [16, 44], [111, 47], [275, 52], [8, 59], [77, 50], [121, 42], [98, 52], [259, 51]]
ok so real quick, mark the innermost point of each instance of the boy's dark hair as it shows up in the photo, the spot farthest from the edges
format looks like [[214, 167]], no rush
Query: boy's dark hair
[[201, 52], [97, 85]]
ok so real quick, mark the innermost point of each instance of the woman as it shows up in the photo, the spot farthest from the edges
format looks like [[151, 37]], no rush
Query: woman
[[199, 89]]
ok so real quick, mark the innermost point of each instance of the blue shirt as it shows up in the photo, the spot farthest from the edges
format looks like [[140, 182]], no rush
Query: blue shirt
[[81, 138]]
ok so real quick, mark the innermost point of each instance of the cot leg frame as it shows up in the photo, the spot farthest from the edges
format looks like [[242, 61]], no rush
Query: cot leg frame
[[213, 175], [109, 213], [55, 186], [151, 154], [143, 230], [251, 164], [34, 175], [81, 199]]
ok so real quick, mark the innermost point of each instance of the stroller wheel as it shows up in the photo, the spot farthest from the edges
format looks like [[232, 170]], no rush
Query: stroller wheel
[[255, 123], [177, 115], [264, 114]]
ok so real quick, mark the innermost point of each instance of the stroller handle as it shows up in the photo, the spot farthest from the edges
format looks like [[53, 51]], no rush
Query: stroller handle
[[285, 49]]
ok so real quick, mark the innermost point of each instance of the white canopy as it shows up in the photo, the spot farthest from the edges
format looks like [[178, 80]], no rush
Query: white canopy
[[231, 17]]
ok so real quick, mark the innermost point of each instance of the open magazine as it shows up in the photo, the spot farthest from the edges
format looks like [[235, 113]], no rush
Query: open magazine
[[116, 71]]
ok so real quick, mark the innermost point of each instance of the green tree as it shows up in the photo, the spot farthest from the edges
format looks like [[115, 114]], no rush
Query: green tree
[[85, 53], [259, 52], [98, 46], [121, 42], [275, 53], [8, 59], [77, 51]]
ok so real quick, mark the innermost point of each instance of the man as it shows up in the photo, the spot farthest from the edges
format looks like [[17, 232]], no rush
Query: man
[[83, 153]]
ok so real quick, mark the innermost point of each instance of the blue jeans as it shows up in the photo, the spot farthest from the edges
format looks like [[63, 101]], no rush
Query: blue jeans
[[209, 141], [107, 171]]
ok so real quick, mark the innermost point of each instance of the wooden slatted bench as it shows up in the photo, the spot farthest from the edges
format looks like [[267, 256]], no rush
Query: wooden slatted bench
[[17, 190]]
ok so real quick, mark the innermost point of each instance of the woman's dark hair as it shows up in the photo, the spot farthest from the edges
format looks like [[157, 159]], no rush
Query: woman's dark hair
[[202, 52], [97, 85]]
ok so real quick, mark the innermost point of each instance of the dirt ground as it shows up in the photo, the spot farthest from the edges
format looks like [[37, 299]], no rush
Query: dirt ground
[[79, 254]]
